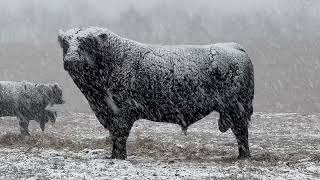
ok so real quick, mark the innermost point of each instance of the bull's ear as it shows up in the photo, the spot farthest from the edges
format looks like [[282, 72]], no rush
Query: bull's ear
[[61, 40], [56, 86], [60, 34]]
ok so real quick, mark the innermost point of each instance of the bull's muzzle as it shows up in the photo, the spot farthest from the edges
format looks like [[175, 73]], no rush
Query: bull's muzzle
[[68, 65], [73, 64]]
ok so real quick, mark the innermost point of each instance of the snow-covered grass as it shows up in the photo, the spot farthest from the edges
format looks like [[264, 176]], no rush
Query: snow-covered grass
[[283, 146]]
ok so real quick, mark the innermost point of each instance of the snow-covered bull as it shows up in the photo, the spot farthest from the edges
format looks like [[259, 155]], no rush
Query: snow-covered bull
[[124, 81], [27, 101]]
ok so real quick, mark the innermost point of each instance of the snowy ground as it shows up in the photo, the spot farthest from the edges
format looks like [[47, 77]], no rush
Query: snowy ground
[[283, 146]]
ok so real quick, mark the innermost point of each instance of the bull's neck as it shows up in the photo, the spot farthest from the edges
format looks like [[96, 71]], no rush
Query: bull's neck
[[121, 48]]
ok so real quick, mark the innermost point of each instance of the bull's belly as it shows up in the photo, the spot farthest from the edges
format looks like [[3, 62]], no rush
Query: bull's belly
[[9, 109], [185, 114], [180, 119]]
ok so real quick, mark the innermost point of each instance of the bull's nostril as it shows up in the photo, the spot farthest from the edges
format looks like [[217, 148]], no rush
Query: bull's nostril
[[69, 65]]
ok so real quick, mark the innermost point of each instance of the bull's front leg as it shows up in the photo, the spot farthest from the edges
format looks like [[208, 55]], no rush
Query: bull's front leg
[[240, 130], [46, 116], [119, 131], [119, 150], [24, 125]]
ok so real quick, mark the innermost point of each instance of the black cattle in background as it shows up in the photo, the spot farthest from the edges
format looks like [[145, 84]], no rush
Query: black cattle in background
[[28, 101]]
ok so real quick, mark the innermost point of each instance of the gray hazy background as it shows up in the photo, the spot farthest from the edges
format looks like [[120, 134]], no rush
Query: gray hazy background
[[282, 38]]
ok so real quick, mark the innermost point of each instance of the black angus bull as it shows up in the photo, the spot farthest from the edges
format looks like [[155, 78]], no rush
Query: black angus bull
[[124, 81], [27, 101]]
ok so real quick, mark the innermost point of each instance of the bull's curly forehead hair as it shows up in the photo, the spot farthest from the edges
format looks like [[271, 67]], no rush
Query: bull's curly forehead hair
[[87, 38], [82, 33]]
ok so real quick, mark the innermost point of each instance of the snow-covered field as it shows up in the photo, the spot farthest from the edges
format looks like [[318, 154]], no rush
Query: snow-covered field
[[283, 146]]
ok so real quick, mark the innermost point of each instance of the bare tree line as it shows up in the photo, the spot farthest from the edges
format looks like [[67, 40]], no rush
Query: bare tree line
[[282, 39]]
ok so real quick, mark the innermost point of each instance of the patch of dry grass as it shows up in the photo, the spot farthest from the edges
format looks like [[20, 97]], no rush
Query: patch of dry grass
[[51, 142]]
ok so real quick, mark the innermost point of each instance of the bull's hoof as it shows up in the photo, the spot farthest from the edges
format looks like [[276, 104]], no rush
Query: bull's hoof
[[119, 154], [107, 157], [244, 156], [120, 157], [25, 134]]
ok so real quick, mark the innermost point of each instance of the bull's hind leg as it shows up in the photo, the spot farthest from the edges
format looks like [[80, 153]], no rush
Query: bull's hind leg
[[240, 130], [119, 131], [42, 124], [24, 124]]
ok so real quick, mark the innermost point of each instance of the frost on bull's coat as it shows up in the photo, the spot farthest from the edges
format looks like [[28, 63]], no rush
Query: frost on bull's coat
[[28, 101], [124, 81]]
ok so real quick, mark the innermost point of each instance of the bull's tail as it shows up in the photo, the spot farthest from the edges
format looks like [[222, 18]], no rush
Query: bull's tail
[[250, 88], [247, 95]]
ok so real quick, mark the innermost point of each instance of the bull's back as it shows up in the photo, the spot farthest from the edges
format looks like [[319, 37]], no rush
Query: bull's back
[[204, 69]]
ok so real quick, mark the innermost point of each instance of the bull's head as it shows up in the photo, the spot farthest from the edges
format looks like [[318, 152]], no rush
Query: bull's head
[[57, 96], [84, 49], [87, 56], [72, 60]]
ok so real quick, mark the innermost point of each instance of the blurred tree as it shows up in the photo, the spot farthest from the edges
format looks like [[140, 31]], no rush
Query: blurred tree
[[134, 25]]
